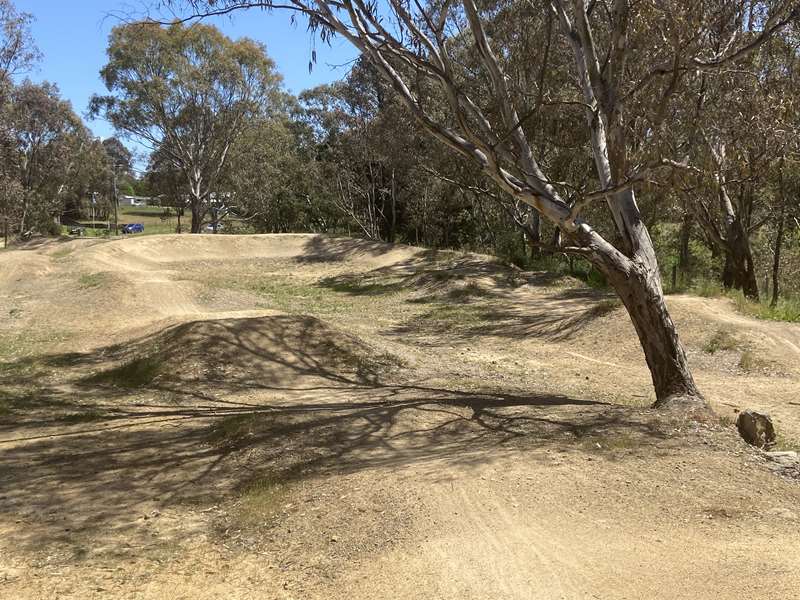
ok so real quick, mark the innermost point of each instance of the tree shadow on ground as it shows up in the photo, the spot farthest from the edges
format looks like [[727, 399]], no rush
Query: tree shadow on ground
[[558, 317], [267, 397], [323, 248], [468, 295], [94, 477], [431, 272]]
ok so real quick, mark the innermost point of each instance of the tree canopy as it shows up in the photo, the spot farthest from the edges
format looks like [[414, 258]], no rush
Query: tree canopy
[[188, 92]]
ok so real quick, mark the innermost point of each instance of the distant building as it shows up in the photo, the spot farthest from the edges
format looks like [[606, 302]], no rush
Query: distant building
[[138, 201]]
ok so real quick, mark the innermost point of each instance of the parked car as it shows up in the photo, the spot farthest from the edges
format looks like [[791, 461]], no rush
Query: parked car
[[210, 227], [133, 228], [79, 231]]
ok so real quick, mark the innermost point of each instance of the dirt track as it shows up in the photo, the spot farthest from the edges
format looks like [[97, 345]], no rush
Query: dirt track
[[305, 417]]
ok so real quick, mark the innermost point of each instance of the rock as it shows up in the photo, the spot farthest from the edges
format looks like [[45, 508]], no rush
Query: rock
[[756, 428], [785, 458]]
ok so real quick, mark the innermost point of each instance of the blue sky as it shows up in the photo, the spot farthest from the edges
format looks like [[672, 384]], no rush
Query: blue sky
[[72, 36]]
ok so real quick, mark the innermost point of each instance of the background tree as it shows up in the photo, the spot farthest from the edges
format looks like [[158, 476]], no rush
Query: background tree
[[168, 183], [18, 52], [271, 178], [119, 155], [51, 146], [188, 92]]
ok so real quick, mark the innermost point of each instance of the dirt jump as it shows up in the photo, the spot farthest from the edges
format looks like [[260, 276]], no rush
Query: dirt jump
[[309, 417]]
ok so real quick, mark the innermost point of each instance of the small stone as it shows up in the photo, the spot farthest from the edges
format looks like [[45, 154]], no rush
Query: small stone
[[756, 428], [785, 455]]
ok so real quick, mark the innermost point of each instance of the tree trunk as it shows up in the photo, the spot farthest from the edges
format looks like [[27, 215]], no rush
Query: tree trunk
[[776, 262], [639, 287], [684, 255], [535, 231], [739, 273], [776, 253], [197, 218], [635, 276], [393, 219]]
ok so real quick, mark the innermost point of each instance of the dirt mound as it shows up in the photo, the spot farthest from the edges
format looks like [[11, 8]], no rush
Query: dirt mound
[[148, 252], [432, 274], [269, 352]]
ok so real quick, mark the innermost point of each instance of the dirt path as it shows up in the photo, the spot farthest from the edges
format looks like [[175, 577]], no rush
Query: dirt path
[[306, 417]]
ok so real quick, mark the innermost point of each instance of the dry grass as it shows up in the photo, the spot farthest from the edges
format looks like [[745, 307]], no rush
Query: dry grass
[[93, 280], [135, 373], [260, 500], [722, 339]]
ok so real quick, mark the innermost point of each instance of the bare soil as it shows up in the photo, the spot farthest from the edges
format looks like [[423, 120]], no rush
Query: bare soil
[[297, 416]]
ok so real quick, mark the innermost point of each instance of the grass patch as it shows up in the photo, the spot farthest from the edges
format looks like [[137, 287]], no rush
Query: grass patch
[[721, 340], [372, 366], [454, 315], [62, 253], [360, 286], [295, 297], [26, 398], [706, 288], [6, 405], [93, 280], [261, 500], [230, 430], [286, 294], [88, 416], [136, 373], [16, 347], [788, 309], [604, 307], [21, 368], [784, 443], [471, 290], [726, 421], [749, 361]]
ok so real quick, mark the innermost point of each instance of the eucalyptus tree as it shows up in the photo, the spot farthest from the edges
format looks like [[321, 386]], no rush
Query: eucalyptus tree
[[188, 92], [370, 150], [734, 128], [120, 156], [627, 60], [165, 181], [50, 145], [18, 52]]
